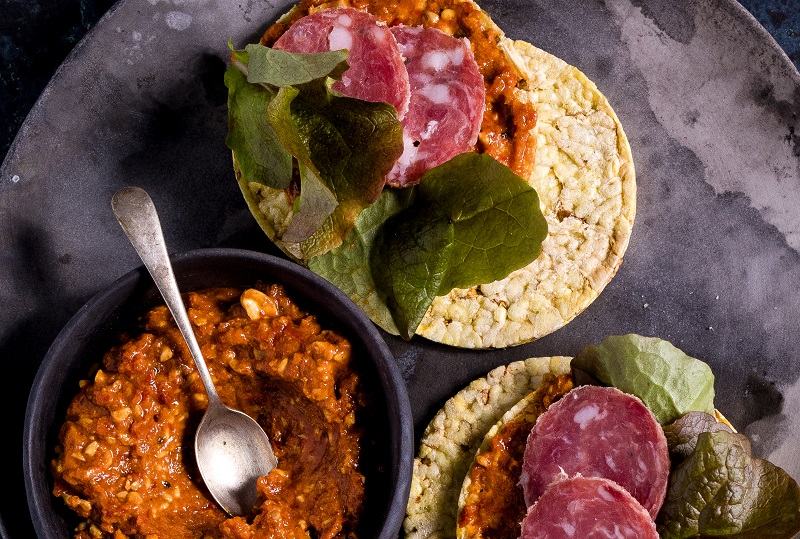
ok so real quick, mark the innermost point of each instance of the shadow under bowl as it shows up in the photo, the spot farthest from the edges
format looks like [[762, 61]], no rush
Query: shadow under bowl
[[93, 329]]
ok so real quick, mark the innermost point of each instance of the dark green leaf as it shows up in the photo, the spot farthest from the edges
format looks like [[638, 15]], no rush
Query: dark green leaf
[[345, 146], [410, 261], [668, 381], [280, 68], [259, 153], [721, 490], [348, 147], [317, 201], [498, 226], [682, 433], [367, 139]]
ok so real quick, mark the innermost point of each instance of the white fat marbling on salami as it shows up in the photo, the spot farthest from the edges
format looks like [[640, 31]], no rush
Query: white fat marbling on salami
[[598, 432], [376, 70], [447, 101], [587, 508]]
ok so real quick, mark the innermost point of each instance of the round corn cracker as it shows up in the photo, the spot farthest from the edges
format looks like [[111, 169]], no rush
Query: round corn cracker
[[584, 175], [450, 441]]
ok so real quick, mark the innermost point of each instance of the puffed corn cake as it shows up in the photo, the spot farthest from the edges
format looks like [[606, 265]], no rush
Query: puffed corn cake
[[584, 175]]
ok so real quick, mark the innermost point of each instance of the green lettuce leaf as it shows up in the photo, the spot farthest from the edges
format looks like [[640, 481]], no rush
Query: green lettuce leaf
[[470, 221], [343, 147], [668, 381], [721, 490], [348, 266]]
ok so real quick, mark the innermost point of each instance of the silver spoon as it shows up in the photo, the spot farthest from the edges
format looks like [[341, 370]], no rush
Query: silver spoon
[[231, 448]]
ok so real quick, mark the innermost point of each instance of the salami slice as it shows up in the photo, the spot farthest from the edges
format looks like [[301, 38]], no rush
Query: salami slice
[[376, 72], [587, 508], [598, 432], [447, 101]]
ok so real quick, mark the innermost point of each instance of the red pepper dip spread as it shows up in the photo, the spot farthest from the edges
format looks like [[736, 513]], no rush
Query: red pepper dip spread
[[495, 505], [124, 462], [506, 130]]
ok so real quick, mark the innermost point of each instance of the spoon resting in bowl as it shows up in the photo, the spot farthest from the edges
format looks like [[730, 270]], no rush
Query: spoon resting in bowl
[[231, 448]]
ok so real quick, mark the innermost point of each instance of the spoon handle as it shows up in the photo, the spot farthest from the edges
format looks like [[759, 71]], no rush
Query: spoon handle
[[137, 214]]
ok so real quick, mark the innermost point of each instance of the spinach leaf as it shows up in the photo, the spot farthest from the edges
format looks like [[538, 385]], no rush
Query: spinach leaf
[[721, 490], [669, 382], [682, 433], [497, 223], [259, 153], [409, 278], [470, 221], [343, 147]]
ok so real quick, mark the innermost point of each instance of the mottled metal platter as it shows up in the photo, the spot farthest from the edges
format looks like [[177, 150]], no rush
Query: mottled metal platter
[[710, 104]]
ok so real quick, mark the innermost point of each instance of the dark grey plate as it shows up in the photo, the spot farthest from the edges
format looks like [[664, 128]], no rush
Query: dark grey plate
[[710, 103]]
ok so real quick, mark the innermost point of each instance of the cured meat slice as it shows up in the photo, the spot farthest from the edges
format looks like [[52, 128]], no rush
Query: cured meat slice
[[376, 72], [447, 101], [598, 432], [587, 508]]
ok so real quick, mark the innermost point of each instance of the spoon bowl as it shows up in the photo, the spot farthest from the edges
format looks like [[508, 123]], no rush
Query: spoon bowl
[[231, 457], [231, 448]]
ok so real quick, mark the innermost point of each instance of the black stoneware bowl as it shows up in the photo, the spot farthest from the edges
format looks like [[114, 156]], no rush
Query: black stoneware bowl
[[92, 330]]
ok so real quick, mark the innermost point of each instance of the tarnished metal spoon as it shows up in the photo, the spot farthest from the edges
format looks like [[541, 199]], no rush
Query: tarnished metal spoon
[[231, 448]]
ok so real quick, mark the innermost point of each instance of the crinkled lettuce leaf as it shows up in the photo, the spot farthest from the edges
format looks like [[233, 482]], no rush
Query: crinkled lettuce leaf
[[682, 433], [721, 490], [668, 381], [348, 266], [470, 221]]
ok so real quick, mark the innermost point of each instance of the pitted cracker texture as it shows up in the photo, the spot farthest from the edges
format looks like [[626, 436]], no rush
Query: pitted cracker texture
[[452, 438], [584, 176]]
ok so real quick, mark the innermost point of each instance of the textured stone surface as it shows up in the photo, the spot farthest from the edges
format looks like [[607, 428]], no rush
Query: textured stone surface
[[710, 106]]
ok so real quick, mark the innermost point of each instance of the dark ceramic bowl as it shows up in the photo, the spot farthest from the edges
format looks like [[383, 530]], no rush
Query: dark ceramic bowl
[[91, 332]]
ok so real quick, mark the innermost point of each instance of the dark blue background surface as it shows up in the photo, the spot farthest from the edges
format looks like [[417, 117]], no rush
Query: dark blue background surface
[[36, 36]]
